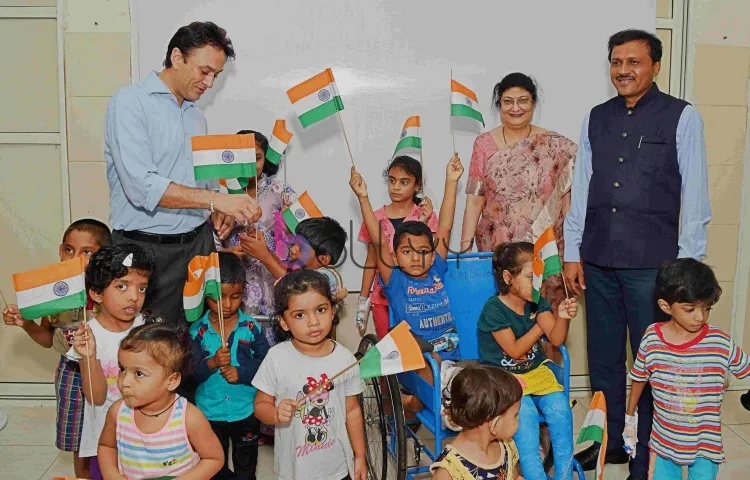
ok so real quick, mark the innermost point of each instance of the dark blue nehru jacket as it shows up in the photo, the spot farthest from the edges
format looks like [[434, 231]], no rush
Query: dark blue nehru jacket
[[633, 210]]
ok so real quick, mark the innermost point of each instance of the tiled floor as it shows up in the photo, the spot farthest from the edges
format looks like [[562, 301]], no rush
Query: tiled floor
[[27, 450]]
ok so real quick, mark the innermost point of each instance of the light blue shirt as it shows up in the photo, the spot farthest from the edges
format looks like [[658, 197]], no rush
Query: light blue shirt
[[695, 211], [147, 147]]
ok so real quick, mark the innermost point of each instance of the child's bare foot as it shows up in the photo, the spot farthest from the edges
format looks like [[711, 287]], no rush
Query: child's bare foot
[[411, 403]]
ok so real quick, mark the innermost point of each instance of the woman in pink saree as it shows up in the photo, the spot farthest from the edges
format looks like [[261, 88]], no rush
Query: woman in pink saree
[[519, 178]]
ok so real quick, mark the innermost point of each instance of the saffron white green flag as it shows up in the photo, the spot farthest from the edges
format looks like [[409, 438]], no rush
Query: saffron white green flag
[[300, 210], [50, 290], [397, 352], [233, 186], [410, 138], [594, 429], [204, 280], [464, 102], [223, 156], [279, 141], [316, 98]]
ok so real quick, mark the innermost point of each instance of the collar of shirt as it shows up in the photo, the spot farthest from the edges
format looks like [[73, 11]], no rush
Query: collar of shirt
[[154, 85], [652, 93]]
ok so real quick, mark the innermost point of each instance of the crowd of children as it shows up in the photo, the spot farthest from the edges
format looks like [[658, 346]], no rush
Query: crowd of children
[[119, 410]]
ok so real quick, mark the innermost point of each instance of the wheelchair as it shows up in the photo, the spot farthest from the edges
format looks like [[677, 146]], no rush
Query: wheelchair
[[469, 283]]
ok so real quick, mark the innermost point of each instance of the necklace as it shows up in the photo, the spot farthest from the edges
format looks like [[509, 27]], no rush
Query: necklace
[[527, 135], [157, 414]]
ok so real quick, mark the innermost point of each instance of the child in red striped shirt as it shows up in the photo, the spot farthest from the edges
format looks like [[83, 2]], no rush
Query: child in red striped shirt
[[685, 361]]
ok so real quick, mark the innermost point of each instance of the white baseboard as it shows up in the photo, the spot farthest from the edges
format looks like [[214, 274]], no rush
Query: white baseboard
[[27, 394]]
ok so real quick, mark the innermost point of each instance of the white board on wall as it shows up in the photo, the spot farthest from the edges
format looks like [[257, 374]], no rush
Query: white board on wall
[[391, 59]]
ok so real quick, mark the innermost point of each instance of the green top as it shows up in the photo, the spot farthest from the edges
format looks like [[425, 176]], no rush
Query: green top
[[497, 316]]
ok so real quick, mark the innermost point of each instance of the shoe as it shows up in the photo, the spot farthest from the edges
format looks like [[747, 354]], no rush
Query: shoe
[[633, 477], [588, 458], [3, 419], [745, 400]]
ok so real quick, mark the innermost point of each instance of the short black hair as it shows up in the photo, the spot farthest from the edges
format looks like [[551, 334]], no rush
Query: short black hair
[[514, 80], [298, 282], [631, 35], [269, 168], [231, 269], [167, 344], [324, 235], [197, 35], [686, 280], [106, 265], [412, 227], [95, 228], [479, 393]]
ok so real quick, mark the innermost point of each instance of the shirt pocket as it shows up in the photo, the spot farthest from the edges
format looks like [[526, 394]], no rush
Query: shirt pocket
[[652, 153]]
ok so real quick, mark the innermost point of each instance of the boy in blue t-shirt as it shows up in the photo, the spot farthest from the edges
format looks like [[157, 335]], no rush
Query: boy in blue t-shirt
[[415, 289]]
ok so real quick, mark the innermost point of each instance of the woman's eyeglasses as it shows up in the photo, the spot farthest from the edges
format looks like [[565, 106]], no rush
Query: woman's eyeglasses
[[523, 102]]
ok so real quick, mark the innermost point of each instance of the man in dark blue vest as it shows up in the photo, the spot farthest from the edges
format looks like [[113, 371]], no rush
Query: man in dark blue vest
[[639, 198]]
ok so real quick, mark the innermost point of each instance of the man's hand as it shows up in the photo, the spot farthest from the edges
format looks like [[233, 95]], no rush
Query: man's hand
[[223, 224], [230, 374], [242, 208], [573, 276]]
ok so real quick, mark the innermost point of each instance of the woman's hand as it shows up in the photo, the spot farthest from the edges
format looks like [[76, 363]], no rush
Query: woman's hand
[[455, 169], [568, 309], [359, 187], [426, 210]]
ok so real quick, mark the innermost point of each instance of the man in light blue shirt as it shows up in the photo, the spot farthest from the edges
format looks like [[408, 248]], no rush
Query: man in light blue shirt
[[640, 172], [155, 200]]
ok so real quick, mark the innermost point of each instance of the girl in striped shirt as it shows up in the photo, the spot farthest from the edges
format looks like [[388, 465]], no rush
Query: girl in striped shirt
[[685, 361], [152, 432]]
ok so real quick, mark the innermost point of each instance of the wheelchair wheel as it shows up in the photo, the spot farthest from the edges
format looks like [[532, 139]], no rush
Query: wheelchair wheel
[[545, 447], [384, 423]]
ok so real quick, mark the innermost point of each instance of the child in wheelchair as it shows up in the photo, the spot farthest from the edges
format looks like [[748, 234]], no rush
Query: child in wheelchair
[[412, 277], [484, 401], [509, 331]]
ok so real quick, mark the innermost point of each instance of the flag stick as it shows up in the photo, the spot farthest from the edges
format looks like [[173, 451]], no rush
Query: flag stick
[[453, 137], [565, 286], [88, 357], [257, 187], [221, 319], [329, 381], [346, 139], [3, 297]]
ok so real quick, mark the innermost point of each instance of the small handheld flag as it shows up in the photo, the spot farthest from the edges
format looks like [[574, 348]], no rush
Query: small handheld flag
[[546, 260], [594, 429], [223, 156], [204, 280], [279, 141], [464, 102], [316, 98], [233, 186], [410, 138], [300, 210], [397, 352], [50, 290]]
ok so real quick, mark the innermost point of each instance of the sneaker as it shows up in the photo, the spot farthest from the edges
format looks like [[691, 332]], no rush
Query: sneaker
[[3, 419]]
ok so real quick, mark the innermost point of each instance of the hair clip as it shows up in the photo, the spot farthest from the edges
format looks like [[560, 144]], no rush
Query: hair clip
[[128, 261]]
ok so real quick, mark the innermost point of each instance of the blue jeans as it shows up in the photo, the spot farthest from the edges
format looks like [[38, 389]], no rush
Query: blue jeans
[[665, 469], [555, 408]]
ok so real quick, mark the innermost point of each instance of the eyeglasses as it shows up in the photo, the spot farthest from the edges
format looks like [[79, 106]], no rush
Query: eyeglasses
[[523, 102]]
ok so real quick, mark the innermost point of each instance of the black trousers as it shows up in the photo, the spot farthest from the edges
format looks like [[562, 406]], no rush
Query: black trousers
[[620, 301], [244, 436]]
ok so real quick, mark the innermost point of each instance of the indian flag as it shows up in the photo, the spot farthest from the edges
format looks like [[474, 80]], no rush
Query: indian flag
[[595, 429], [316, 98], [300, 210], [464, 102], [233, 186], [204, 279], [545, 248], [223, 156], [410, 135], [397, 352], [536, 279], [51, 289], [279, 140]]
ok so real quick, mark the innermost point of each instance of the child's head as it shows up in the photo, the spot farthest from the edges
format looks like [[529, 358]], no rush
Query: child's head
[[482, 396], [153, 358], [83, 238], [261, 149], [305, 308], [413, 248], [326, 238], [404, 176], [117, 278], [686, 289], [512, 269], [232, 285]]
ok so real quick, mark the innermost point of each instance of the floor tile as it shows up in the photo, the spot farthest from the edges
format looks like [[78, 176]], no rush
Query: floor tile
[[62, 467], [29, 426], [26, 462], [732, 411]]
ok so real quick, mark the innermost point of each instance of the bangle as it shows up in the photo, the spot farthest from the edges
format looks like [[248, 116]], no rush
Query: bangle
[[211, 203]]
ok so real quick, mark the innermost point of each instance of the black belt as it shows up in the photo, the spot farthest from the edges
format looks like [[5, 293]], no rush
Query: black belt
[[161, 239]]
